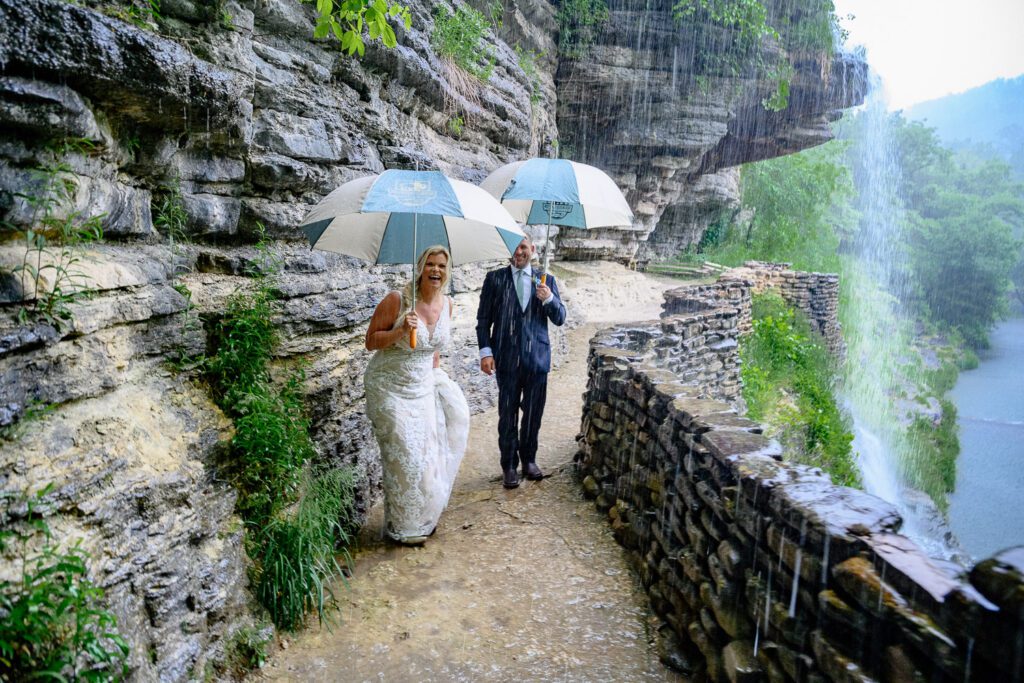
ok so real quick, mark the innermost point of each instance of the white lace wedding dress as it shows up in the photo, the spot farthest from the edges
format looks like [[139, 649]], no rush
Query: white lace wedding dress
[[421, 420]]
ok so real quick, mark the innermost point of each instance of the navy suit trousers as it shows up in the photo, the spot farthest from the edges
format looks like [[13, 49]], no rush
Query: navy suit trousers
[[520, 390]]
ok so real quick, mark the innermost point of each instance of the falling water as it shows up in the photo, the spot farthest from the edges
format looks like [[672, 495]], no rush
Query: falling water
[[877, 330]]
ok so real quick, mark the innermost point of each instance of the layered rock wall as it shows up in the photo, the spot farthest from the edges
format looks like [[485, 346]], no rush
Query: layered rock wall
[[762, 569], [657, 104]]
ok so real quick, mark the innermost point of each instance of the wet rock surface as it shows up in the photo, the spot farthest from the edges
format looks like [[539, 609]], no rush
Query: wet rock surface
[[644, 104], [130, 480]]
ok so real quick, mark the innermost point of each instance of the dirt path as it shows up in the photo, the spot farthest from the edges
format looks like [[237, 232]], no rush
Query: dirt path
[[521, 585]]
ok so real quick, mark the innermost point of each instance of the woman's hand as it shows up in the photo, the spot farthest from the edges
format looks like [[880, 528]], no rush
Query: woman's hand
[[411, 321]]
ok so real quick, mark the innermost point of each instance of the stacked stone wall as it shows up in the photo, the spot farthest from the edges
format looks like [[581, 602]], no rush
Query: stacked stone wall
[[762, 570], [816, 295]]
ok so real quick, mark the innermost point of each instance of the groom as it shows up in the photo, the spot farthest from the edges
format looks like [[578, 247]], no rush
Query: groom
[[512, 331]]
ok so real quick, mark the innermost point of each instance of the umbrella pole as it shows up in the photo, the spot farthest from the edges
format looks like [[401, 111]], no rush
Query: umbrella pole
[[547, 239], [415, 285], [547, 254]]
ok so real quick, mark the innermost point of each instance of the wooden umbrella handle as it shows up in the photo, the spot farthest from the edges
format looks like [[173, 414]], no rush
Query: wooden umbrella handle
[[544, 278], [412, 338]]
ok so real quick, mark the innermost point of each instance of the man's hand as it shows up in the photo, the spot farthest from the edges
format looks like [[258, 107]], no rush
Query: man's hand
[[543, 292], [487, 365]]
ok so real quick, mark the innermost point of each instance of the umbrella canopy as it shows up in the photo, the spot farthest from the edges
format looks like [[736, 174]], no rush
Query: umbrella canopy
[[559, 192], [391, 217]]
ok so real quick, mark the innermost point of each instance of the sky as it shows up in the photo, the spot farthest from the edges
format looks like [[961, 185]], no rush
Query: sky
[[924, 49]]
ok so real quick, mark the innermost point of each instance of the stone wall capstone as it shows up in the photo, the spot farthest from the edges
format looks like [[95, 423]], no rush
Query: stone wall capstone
[[763, 570]]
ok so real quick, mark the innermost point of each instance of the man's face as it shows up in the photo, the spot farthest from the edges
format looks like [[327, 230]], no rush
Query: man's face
[[523, 253]]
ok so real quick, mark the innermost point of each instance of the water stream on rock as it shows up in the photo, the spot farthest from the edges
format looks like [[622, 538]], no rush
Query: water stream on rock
[[877, 331]]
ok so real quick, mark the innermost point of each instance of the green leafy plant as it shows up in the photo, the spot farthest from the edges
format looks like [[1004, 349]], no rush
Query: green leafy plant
[[36, 410], [140, 13], [744, 26], [245, 650], [459, 38], [579, 24], [227, 20], [295, 553], [171, 219], [50, 275], [347, 20], [748, 18], [52, 621], [813, 27], [496, 14], [180, 359], [788, 378], [455, 124], [931, 454], [294, 518], [778, 100], [131, 145], [528, 63], [271, 440], [169, 215]]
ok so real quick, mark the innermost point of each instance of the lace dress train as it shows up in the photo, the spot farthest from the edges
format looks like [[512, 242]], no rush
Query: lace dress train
[[421, 420]]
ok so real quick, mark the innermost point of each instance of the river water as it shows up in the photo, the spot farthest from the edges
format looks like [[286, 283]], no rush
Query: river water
[[987, 509]]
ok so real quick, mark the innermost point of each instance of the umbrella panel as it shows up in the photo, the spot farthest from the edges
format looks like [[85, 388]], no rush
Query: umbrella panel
[[557, 213], [397, 246], [544, 179]]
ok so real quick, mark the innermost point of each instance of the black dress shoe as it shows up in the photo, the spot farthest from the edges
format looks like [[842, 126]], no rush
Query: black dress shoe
[[532, 472], [510, 480]]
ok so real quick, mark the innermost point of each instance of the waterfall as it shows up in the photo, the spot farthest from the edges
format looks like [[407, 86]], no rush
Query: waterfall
[[879, 332]]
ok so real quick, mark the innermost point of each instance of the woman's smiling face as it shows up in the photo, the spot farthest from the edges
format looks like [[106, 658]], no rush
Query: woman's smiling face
[[435, 271]]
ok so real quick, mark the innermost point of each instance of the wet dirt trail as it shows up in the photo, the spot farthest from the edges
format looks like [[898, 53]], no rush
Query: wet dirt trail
[[519, 585]]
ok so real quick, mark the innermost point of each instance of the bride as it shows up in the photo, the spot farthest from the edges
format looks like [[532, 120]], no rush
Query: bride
[[419, 415]]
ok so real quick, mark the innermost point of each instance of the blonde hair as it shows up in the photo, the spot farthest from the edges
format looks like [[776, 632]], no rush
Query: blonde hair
[[421, 263]]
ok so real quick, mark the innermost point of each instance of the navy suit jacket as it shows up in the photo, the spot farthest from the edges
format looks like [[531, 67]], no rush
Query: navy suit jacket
[[517, 338]]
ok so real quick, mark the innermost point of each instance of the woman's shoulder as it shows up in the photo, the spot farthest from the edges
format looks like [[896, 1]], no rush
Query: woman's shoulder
[[391, 300]]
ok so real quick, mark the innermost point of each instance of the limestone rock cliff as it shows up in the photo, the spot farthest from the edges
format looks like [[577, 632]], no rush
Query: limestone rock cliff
[[649, 103], [237, 116]]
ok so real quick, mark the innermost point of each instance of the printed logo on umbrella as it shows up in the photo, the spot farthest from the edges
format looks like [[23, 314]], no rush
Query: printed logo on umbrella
[[413, 192], [557, 210]]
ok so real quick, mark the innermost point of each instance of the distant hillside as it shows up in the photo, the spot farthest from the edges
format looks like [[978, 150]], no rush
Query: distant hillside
[[990, 116], [981, 114]]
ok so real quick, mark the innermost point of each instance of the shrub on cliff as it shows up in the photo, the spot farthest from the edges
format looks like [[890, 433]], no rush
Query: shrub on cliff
[[459, 38], [53, 624], [788, 378], [296, 516], [579, 24]]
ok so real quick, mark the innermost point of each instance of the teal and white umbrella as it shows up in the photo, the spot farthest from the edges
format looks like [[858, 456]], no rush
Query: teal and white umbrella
[[391, 217], [559, 192]]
